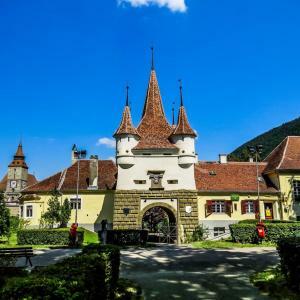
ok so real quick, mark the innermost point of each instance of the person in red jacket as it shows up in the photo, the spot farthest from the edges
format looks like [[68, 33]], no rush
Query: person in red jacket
[[73, 235]]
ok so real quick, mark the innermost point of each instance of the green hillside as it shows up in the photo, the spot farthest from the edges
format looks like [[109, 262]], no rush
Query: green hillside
[[269, 140]]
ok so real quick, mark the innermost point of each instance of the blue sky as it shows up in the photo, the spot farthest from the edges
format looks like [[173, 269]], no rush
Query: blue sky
[[64, 66]]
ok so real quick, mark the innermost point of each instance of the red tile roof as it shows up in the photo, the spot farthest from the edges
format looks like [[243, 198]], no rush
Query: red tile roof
[[126, 126], [154, 128], [286, 156], [183, 127], [230, 177], [66, 180]]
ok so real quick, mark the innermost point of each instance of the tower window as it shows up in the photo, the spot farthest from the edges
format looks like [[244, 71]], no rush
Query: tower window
[[173, 181], [139, 181]]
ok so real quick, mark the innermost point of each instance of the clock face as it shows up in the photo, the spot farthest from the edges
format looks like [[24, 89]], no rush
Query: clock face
[[13, 184]]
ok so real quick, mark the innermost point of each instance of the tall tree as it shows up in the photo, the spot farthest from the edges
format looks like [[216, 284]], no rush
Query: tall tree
[[65, 213], [4, 217], [57, 213]]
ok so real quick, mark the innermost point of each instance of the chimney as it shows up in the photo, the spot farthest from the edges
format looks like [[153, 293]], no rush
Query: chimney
[[73, 154], [93, 175], [223, 158]]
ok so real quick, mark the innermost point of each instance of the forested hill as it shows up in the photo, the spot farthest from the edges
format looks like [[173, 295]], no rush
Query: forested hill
[[269, 140]]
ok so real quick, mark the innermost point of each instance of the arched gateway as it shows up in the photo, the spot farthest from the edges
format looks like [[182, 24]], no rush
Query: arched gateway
[[160, 221]]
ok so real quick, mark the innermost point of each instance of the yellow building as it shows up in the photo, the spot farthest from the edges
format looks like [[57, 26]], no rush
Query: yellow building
[[95, 200], [157, 172]]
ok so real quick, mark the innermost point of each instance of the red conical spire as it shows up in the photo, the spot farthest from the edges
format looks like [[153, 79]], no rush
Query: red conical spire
[[183, 127], [126, 125], [154, 128]]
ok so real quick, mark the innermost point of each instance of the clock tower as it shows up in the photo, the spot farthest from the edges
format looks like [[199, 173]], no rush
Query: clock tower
[[17, 178]]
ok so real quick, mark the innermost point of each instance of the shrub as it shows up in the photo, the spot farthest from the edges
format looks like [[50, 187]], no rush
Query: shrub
[[110, 255], [9, 272], [289, 251], [199, 234], [243, 233], [254, 221], [128, 290], [46, 237], [4, 217], [14, 223], [246, 232], [84, 276], [124, 237]]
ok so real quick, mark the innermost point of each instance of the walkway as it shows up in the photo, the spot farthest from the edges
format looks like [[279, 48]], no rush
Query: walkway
[[173, 272], [44, 257]]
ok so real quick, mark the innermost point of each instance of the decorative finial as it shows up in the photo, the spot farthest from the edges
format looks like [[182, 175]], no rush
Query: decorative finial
[[173, 116], [127, 101], [152, 58], [180, 88]]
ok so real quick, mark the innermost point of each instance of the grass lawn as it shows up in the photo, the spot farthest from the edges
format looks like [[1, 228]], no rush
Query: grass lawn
[[89, 238], [227, 244], [273, 283]]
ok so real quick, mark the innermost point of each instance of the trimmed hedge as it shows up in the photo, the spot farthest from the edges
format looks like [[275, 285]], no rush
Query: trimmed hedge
[[289, 251], [246, 232], [126, 237], [47, 237], [89, 275], [110, 255], [254, 221]]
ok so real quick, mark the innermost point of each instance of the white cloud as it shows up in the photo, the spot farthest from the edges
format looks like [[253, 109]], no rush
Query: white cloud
[[108, 142], [112, 158], [173, 5]]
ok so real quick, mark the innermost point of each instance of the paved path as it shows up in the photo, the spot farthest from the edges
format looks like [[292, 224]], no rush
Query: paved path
[[47, 257], [173, 272]]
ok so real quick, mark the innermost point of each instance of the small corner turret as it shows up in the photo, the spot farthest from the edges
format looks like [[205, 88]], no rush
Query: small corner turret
[[127, 138], [184, 136]]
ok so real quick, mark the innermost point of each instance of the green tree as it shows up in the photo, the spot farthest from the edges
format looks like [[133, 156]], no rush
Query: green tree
[[4, 217], [57, 213], [65, 213]]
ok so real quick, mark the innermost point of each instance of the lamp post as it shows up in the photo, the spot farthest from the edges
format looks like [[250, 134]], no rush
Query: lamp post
[[79, 154], [257, 150]]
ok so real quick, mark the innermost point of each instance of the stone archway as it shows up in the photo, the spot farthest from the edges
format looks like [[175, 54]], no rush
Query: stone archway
[[161, 222]]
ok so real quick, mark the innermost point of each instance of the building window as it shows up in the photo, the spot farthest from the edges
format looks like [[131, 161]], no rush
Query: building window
[[249, 207], [139, 181], [21, 211], [29, 211], [296, 190], [172, 181], [74, 201], [218, 206], [219, 231]]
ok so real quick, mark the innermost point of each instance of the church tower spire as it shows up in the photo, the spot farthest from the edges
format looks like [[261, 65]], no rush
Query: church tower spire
[[19, 158]]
